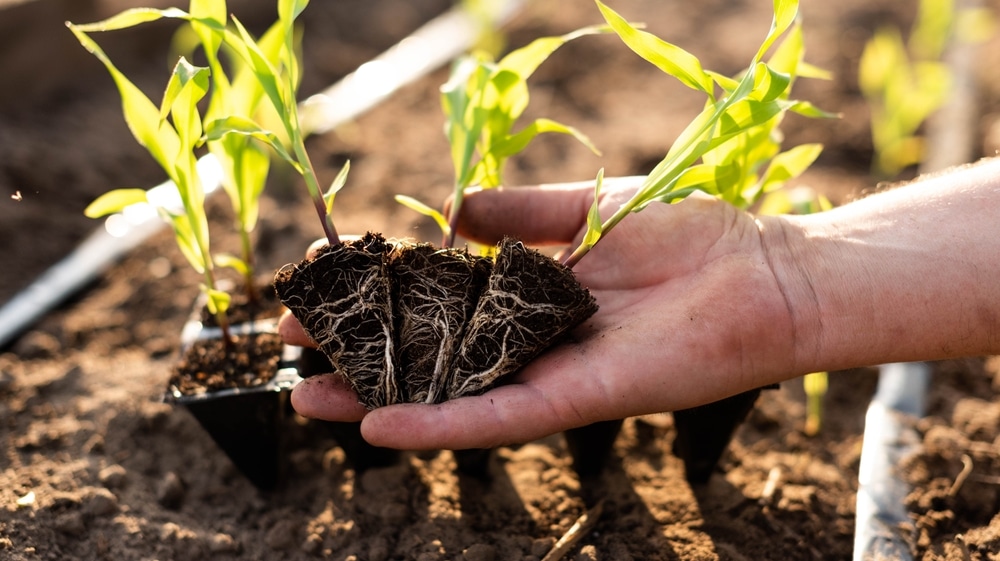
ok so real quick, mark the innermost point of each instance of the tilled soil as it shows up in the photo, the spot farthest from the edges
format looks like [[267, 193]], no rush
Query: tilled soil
[[96, 466]]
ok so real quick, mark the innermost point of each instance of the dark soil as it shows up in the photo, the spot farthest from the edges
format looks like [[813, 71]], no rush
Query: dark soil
[[211, 364], [412, 323], [96, 466]]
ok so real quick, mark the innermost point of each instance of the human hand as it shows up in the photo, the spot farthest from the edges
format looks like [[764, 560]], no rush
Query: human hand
[[690, 312]]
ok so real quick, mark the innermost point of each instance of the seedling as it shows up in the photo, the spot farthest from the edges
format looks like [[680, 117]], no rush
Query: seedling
[[171, 133], [482, 100], [173, 143], [905, 82], [730, 149]]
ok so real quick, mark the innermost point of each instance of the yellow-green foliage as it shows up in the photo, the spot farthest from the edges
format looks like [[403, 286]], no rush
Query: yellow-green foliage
[[906, 81]]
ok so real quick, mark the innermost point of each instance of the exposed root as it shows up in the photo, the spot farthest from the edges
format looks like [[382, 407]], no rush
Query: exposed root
[[341, 297], [414, 323], [530, 301]]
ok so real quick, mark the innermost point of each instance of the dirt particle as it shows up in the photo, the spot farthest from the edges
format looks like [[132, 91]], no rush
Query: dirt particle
[[170, 491], [223, 543], [312, 544], [70, 523], [99, 502], [480, 552], [113, 476], [587, 553], [379, 549], [541, 547], [281, 536], [37, 345], [394, 513]]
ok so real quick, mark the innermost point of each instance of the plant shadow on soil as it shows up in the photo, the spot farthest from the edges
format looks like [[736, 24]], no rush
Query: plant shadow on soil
[[103, 469]]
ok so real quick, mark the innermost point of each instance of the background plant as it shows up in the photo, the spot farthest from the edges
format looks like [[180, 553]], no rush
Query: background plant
[[279, 78], [482, 100], [906, 81], [171, 133]]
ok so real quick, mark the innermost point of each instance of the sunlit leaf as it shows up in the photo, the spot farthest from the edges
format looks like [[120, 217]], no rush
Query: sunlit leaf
[[336, 186], [114, 201], [218, 128], [594, 224], [414, 204], [232, 262], [669, 58]]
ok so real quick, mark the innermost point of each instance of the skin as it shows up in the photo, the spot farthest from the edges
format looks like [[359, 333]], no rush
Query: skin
[[699, 301]]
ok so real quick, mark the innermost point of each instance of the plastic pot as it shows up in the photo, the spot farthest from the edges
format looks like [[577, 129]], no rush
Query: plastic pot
[[247, 423], [704, 432]]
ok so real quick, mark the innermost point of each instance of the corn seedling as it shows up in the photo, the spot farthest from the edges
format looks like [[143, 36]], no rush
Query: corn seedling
[[171, 133], [906, 81], [730, 149], [482, 101], [280, 81]]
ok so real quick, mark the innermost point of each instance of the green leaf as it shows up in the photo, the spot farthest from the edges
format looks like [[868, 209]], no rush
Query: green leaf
[[594, 223], [288, 10], [187, 86], [141, 115], [789, 165], [218, 128], [769, 84], [336, 186], [129, 18], [414, 204], [669, 58], [263, 69], [785, 12], [217, 301], [114, 201], [745, 114], [186, 240], [231, 261]]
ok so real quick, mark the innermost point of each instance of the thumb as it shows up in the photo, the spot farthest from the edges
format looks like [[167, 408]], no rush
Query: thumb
[[542, 215]]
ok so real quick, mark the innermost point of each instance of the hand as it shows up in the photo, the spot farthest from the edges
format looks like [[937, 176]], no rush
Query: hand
[[690, 312]]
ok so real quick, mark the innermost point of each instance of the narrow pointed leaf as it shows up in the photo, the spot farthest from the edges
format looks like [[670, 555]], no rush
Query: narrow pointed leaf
[[414, 204], [336, 186], [669, 58], [114, 201]]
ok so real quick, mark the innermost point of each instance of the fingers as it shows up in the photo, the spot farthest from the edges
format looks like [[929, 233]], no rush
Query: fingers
[[506, 415], [327, 397], [292, 333], [543, 215]]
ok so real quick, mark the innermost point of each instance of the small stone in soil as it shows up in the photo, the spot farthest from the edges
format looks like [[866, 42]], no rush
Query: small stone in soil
[[100, 502], [223, 543], [480, 552], [170, 491], [113, 476]]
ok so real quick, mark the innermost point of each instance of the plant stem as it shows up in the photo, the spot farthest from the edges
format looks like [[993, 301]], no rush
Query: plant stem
[[449, 238], [309, 174], [248, 258]]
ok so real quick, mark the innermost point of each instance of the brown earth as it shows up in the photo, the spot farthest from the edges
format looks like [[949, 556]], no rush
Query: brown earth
[[96, 466]]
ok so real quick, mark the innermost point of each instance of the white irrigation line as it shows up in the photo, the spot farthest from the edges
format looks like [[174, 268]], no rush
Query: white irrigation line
[[434, 44]]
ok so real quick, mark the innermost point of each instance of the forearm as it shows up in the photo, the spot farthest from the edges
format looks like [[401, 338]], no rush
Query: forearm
[[909, 274]]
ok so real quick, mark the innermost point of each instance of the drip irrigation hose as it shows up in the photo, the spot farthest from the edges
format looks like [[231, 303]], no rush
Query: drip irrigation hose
[[429, 47]]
